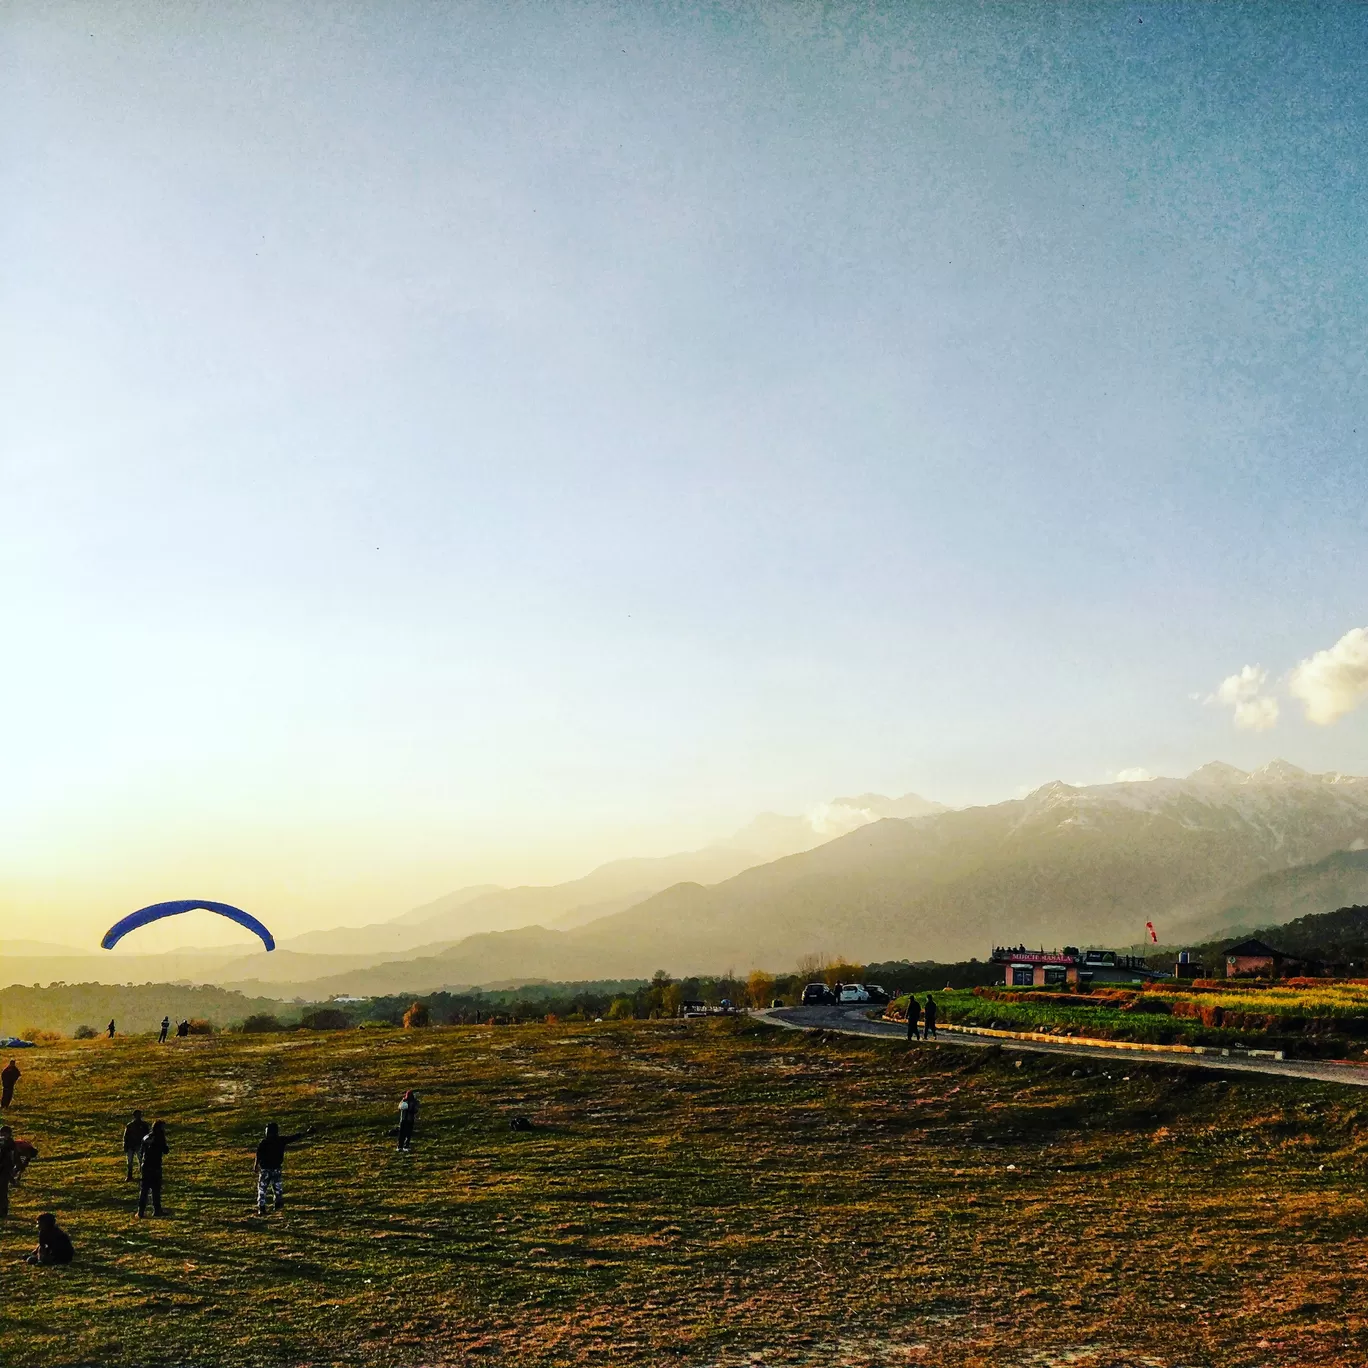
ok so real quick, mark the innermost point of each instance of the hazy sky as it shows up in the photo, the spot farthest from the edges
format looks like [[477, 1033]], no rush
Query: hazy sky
[[455, 442]]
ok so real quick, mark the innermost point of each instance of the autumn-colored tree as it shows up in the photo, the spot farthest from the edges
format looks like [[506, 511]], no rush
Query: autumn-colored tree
[[760, 988], [417, 1015]]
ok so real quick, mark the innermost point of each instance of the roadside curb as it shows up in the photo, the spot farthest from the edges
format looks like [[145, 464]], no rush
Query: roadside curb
[[1138, 1046]]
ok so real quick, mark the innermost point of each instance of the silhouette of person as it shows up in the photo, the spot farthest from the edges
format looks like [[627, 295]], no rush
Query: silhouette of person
[[9, 1158], [9, 1076], [150, 1154], [408, 1115], [165, 1027], [54, 1244], [134, 1134], [109, 1030], [931, 1013], [913, 1013], [269, 1166]]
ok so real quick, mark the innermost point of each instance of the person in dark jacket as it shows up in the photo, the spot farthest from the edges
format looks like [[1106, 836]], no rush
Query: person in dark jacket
[[408, 1116], [270, 1164], [182, 1030], [931, 1013], [165, 1027], [9, 1159], [150, 1154], [913, 1015], [9, 1076], [109, 1030], [134, 1134], [54, 1244]]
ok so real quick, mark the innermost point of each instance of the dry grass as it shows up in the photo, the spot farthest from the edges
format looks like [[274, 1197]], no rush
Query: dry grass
[[694, 1196]]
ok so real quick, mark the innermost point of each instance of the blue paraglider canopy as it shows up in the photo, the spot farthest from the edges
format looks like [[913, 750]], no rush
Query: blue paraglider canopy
[[157, 911]]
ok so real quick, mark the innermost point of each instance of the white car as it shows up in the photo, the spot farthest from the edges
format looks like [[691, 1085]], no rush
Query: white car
[[853, 992]]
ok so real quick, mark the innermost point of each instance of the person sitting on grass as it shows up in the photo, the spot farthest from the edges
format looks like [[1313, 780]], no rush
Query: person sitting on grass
[[270, 1165], [54, 1244]]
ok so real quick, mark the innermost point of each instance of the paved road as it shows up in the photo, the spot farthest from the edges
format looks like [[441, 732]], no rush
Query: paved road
[[852, 1021]]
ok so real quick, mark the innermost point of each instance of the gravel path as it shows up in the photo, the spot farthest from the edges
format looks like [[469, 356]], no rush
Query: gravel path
[[852, 1021]]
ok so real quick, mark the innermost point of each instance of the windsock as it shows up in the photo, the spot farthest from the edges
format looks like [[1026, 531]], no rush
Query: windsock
[[1149, 926]]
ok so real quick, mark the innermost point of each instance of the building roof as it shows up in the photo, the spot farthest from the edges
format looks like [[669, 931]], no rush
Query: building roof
[[1255, 949]]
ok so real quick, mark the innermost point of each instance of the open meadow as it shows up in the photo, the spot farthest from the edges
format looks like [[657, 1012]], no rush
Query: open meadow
[[721, 1192]]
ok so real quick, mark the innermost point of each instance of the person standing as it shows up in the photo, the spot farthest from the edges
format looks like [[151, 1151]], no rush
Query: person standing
[[408, 1116], [109, 1030], [182, 1029], [134, 1134], [9, 1076], [54, 1244], [165, 1027], [913, 1015], [931, 1014], [150, 1154], [9, 1156], [270, 1164]]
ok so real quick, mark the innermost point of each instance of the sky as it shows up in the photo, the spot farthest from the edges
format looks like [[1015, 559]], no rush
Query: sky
[[456, 443]]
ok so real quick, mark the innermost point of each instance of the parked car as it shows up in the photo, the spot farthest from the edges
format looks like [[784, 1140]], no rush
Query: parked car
[[817, 993], [852, 992], [878, 993]]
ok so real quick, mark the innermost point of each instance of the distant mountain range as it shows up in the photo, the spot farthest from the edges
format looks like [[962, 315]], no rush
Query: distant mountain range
[[437, 926], [611, 887], [1219, 850]]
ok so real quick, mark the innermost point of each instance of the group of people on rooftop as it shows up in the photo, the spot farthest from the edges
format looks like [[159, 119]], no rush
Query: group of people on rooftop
[[146, 1147]]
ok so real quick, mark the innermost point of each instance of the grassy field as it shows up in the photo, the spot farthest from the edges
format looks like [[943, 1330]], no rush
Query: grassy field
[[1327, 1020], [722, 1193]]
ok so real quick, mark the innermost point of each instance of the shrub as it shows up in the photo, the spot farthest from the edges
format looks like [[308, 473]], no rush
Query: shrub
[[261, 1023], [199, 1026], [417, 1016], [621, 1009], [325, 1019], [39, 1036]]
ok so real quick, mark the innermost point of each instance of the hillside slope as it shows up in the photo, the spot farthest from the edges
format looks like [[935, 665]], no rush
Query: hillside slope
[[1339, 880]]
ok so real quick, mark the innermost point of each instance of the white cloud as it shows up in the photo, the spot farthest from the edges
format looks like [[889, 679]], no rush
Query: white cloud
[[1137, 774], [1334, 682], [1254, 710], [836, 819]]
